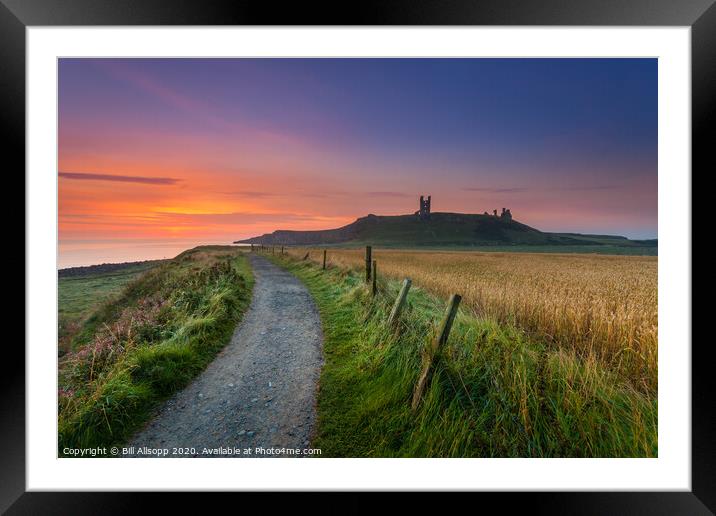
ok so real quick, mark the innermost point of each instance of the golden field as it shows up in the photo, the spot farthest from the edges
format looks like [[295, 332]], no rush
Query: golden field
[[603, 307]]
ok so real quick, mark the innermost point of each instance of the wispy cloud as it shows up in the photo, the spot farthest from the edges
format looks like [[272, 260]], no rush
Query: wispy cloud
[[247, 193], [261, 194], [170, 96], [240, 218], [497, 190], [584, 188], [147, 180], [388, 194], [587, 188]]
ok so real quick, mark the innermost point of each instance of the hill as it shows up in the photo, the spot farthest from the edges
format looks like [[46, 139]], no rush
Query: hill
[[442, 230]]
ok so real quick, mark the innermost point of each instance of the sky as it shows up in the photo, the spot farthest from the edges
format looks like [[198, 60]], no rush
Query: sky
[[156, 155]]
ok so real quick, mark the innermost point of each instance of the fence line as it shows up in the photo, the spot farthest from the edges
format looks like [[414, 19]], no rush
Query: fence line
[[432, 351]]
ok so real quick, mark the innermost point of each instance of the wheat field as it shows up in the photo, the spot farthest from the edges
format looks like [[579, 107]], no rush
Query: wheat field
[[601, 306]]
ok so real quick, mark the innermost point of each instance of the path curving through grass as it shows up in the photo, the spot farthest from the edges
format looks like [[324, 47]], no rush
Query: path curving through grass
[[259, 391]]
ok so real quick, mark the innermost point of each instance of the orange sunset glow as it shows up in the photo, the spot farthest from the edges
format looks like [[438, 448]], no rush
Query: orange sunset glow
[[157, 155]]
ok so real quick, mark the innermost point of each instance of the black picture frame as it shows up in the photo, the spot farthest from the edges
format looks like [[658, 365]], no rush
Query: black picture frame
[[700, 15]]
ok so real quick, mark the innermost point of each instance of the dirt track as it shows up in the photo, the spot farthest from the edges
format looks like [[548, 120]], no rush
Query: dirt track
[[260, 389]]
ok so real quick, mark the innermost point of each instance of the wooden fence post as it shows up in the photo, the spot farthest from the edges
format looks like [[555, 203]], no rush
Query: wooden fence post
[[324, 259], [281, 250], [433, 350], [368, 258], [375, 277], [399, 302]]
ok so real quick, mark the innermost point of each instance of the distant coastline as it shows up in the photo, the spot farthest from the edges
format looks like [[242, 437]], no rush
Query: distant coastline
[[102, 268]]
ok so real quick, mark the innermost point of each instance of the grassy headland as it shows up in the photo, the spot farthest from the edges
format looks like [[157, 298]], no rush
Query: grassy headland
[[456, 231], [82, 289], [497, 391], [150, 340]]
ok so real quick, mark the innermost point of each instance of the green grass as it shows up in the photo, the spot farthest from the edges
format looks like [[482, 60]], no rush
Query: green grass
[[148, 342], [494, 392], [79, 295]]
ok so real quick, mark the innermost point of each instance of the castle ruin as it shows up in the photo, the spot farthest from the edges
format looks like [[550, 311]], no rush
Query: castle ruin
[[424, 212], [506, 214]]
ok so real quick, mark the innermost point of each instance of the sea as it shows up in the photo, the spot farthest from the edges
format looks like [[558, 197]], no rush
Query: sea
[[81, 253]]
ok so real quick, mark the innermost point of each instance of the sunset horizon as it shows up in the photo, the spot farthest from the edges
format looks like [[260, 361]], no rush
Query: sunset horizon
[[157, 155]]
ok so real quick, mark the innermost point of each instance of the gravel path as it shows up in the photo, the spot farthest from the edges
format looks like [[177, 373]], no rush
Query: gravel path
[[260, 389]]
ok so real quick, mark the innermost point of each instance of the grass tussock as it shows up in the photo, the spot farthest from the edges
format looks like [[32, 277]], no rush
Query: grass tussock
[[75, 305], [601, 307], [496, 391], [151, 340]]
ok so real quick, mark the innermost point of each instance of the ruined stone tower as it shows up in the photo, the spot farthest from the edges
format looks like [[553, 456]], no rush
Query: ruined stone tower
[[424, 212], [505, 215]]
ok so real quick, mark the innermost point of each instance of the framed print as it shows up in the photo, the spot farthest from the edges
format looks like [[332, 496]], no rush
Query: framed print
[[433, 248]]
